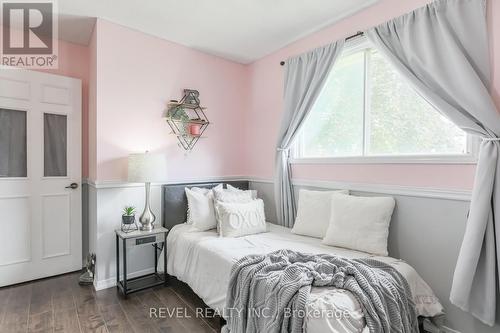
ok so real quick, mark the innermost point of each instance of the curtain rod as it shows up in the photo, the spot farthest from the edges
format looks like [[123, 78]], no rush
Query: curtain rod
[[359, 33]]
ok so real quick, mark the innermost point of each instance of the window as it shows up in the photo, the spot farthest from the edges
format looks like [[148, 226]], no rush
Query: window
[[367, 112], [13, 139], [55, 145]]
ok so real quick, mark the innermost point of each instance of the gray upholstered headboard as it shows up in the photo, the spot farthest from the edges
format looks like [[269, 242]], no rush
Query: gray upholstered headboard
[[174, 201]]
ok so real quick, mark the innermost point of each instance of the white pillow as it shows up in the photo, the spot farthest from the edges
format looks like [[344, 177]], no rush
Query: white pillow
[[205, 190], [230, 195], [233, 196], [241, 219], [313, 213], [235, 189], [360, 223], [201, 211]]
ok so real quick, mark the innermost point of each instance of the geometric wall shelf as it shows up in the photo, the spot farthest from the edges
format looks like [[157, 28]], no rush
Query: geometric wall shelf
[[187, 119]]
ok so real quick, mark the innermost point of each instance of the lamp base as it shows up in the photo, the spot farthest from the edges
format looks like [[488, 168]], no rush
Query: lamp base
[[147, 227], [147, 217]]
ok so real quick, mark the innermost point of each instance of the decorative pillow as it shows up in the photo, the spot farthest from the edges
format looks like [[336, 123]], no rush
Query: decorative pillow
[[230, 195], [360, 223], [313, 213], [201, 211], [241, 219], [233, 196], [205, 190], [235, 189]]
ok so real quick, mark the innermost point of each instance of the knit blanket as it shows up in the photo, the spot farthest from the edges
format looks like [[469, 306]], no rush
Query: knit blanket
[[268, 293]]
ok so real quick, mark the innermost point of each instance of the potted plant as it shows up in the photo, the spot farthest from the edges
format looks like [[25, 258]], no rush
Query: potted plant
[[128, 216], [180, 115]]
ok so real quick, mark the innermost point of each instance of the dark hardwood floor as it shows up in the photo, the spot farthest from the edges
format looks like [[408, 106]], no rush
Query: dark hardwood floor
[[59, 304]]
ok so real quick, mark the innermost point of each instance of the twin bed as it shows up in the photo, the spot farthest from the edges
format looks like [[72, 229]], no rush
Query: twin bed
[[203, 260]]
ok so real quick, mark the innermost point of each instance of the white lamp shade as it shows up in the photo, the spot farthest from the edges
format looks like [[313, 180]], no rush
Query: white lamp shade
[[146, 168]]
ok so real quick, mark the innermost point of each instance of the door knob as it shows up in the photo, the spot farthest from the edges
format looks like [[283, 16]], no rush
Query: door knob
[[73, 186]]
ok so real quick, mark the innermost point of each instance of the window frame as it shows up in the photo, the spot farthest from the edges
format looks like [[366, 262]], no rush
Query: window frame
[[359, 44]]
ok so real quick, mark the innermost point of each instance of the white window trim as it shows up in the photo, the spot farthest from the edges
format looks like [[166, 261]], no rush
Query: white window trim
[[355, 45]]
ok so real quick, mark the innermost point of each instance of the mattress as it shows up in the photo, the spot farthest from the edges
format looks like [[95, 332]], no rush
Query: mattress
[[204, 260]]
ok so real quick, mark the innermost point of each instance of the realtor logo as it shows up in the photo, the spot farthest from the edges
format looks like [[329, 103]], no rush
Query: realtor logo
[[29, 34]]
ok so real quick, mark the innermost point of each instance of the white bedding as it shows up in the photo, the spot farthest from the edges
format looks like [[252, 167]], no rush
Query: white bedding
[[203, 260]]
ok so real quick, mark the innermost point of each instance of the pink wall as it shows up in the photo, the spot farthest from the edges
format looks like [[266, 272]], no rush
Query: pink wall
[[133, 75], [92, 114], [137, 75], [266, 105]]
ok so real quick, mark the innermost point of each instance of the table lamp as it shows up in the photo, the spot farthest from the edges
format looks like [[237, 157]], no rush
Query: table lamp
[[146, 168]]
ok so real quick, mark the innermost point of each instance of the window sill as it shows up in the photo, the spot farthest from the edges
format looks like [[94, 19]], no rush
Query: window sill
[[453, 159]]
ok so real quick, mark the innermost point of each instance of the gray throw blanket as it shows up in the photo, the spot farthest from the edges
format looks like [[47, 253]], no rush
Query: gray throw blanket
[[267, 292]]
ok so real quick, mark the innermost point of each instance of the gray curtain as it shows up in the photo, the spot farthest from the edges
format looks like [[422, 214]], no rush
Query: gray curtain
[[442, 49], [305, 75], [55, 145], [12, 143]]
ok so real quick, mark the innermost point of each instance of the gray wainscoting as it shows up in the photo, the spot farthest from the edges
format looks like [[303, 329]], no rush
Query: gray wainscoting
[[426, 231], [109, 204], [85, 222]]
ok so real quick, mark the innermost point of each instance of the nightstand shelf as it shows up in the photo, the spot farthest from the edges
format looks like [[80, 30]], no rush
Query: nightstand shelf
[[141, 283], [140, 239]]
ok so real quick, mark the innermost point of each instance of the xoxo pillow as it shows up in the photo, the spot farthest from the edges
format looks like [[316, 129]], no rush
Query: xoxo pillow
[[241, 219]]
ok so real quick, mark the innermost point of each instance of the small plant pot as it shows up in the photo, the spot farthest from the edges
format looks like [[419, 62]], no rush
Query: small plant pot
[[128, 219], [194, 129]]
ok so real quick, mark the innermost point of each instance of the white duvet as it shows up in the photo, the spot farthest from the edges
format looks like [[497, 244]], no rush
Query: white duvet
[[203, 260]]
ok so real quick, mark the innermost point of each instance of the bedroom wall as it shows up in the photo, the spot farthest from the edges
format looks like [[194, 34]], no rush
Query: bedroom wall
[[266, 105], [133, 76], [137, 75]]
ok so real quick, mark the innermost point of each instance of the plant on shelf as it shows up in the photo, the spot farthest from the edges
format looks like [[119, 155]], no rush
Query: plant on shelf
[[128, 216], [180, 115]]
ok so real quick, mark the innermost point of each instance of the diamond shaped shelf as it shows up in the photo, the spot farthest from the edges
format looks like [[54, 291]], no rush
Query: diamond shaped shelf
[[187, 119]]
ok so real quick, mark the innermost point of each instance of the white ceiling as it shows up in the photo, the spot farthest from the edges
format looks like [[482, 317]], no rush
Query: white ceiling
[[76, 29], [239, 30]]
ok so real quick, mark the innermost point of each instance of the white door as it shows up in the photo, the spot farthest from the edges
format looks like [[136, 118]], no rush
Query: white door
[[40, 155]]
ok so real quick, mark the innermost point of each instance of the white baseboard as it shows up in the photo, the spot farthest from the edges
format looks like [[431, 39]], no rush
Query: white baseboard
[[111, 282]]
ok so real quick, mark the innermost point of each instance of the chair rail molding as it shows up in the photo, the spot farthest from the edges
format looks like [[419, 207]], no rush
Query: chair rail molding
[[124, 184], [411, 191]]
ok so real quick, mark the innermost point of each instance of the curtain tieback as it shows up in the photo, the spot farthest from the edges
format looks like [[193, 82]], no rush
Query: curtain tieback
[[491, 139], [282, 149]]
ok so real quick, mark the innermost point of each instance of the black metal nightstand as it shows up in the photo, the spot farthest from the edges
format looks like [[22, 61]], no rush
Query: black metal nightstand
[[140, 238]]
